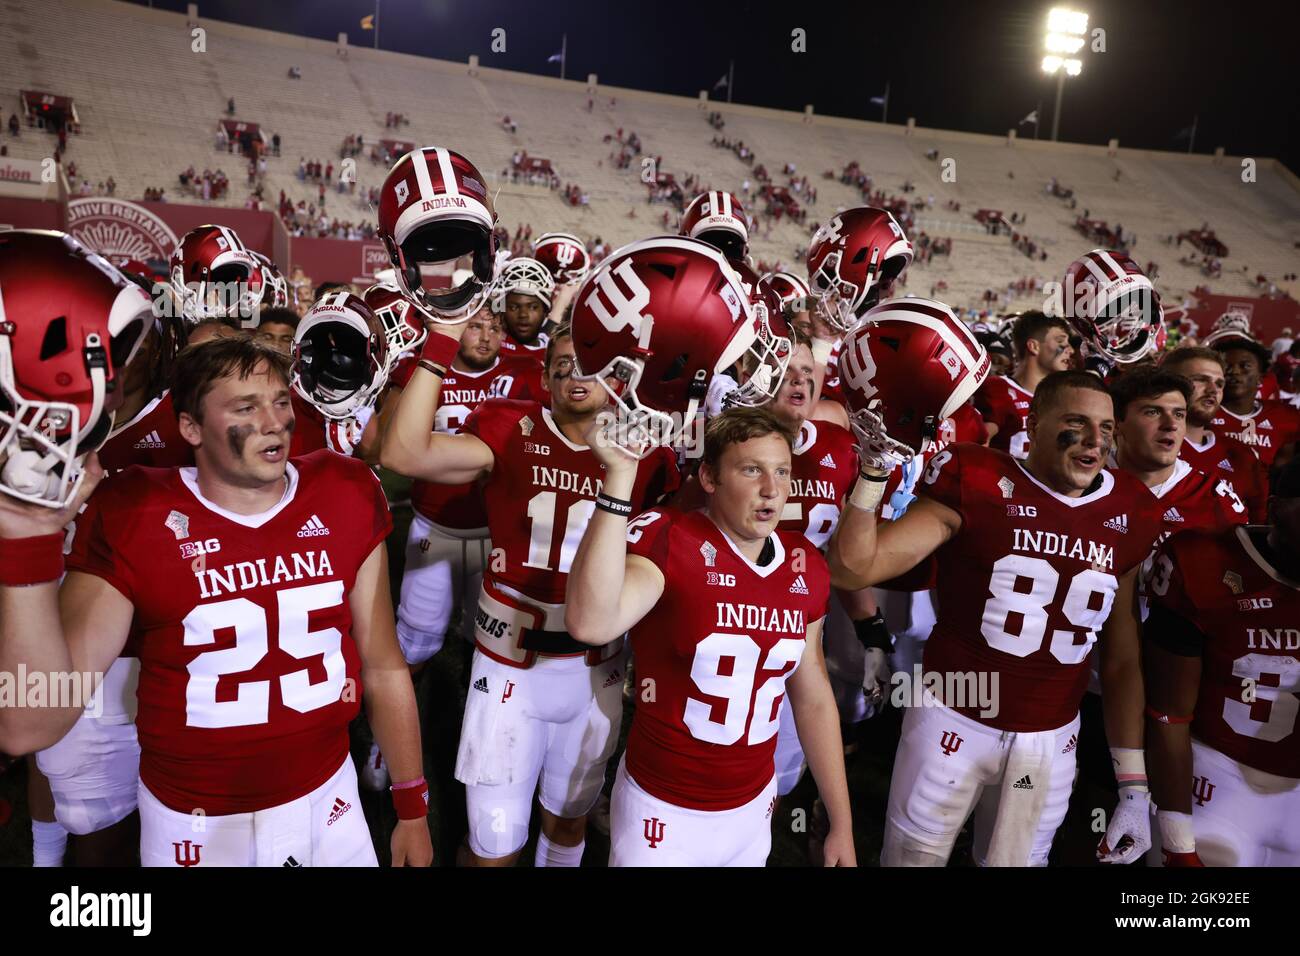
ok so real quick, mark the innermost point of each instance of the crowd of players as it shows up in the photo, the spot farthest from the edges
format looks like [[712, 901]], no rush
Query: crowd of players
[[767, 507]]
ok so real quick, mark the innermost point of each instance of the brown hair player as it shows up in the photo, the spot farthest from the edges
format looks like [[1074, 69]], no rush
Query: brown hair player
[[1042, 346], [724, 613], [285, 560], [1202, 448]]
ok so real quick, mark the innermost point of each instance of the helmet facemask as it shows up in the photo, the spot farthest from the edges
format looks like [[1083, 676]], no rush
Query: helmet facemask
[[439, 243]]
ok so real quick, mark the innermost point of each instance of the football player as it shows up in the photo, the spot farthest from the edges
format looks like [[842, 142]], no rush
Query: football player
[[275, 327], [1222, 679], [1269, 427], [542, 708], [255, 635], [1042, 346], [725, 615], [1202, 448], [522, 296], [1035, 558]]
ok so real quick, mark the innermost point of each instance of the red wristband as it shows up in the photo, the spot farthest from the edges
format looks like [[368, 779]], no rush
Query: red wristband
[[25, 561], [1166, 718], [439, 349], [411, 799]]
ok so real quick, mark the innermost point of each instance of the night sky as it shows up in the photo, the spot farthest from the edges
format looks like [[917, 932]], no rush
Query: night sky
[[970, 65]]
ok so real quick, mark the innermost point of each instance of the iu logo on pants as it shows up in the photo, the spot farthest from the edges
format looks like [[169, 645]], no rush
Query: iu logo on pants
[[654, 831], [183, 855], [950, 742], [1202, 790]]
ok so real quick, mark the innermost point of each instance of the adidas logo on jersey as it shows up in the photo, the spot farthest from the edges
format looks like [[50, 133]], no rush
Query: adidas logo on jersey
[[799, 586], [313, 528], [1073, 742], [1173, 515], [151, 440], [481, 684], [340, 807], [1225, 465], [1118, 523], [827, 461], [615, 677], [1024, 783], [1264, 424]]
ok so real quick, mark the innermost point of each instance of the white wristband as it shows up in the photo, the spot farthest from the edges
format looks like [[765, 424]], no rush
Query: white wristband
[[1130, 767], [866, 494]]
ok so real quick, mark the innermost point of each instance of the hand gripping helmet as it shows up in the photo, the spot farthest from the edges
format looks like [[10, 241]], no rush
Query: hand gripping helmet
[[434, 207], [661, 317], [523, 276], [1114, 307], [853, 261], [215, 276], [912, 362], [564, 256], [69, 324], [719, 219], [340, 356]]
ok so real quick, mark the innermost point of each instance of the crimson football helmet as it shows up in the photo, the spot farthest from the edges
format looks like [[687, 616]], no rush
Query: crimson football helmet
[[69, 324], [522, 276], [279, 294], [853, 262], [719, 219], [215, 276], [564, 256], [765, 302], [661, 317], [1113, 306], [912, 363], [1230, 326], [791, 292], [403, 322], [434, 208], [340, 356]]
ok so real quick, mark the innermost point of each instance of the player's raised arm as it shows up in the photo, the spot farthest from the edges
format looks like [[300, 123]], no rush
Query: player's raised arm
[[48, 629], [609, 590], [411, 447]]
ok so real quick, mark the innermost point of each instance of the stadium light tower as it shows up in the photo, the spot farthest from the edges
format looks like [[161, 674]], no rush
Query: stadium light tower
[[1066, 31]]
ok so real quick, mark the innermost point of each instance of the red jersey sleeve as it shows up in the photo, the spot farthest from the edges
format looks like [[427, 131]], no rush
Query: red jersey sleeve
[[493, 419], [97, 548], [1229, 508], [370, 490], [1169, 584], [647, 536]]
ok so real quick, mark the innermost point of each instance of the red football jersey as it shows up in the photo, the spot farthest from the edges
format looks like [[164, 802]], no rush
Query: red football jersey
[[1249, 612], [249, 674], [1003, 402], [461, 506], [1269, 389], [718, 647], [1194, 500], [1227, 458], [1270, 427], [308, 427], [1029, 580], [823, 468], [541, 492], [152, 438]]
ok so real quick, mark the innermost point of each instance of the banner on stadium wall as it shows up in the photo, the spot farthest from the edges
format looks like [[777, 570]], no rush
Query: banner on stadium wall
[[119, 227], [22, 177], [30, 214], [339, 260], [1267, 316]]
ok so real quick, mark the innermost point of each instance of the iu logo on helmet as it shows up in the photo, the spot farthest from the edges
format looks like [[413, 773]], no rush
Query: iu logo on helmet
[[859, 367], [627, 309], [1202, 790], [654, 831], [950, 743], [184, 856], [565, 254]]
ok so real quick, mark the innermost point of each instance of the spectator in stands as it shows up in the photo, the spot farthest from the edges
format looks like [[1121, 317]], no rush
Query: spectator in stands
[[275, 144], [230, 106], [13, 124], [295, 73], [329, 172], [1283, 342]]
